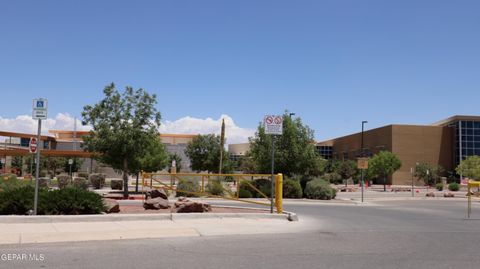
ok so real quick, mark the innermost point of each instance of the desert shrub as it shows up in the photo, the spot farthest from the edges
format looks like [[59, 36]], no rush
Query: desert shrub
[[292, 188], [319, 189], [43, 182], [69, 200], [215, 187], [243, 193], [97, 180], [16, 200], [82, 174], [439, 186], [80, 182], [116, 184], [333, 178], [185, 188], [8, 181], [261, 184], [64, 181], [454, 186]]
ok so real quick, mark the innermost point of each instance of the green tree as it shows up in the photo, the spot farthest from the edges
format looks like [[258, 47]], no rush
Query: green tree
[[347, 169], [428, 173], [124, 126], [383, 165], [155, 158], [204, 154], [178, 162], [77, 163], [55, 163], [295, 151], [470, 167]]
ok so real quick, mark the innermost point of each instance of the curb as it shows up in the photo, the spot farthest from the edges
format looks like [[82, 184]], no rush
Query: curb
[[290, 216]]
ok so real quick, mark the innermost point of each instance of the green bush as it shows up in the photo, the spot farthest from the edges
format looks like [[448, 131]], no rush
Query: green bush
[[319, 189], [64, 181], [292, 188], [43, 182], [82, 174], [454, 186], [185, 188], [243, 193], [69, 201], [97, 180], [333, 178], [8, 181], [261, 184], [116, 184], [80, 182], [215, 187], [439, 186], [16, 200]]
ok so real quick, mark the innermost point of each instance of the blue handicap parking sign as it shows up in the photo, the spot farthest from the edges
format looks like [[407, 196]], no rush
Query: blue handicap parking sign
[[40, 104]]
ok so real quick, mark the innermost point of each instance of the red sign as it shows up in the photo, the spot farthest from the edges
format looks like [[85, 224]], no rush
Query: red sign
[[33, 145]]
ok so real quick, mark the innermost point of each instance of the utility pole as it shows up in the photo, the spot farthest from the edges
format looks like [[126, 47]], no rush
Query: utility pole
[[362, 155], [39, 113]]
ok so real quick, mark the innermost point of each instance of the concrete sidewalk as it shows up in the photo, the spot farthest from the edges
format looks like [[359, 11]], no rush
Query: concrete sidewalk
[[59, 231]]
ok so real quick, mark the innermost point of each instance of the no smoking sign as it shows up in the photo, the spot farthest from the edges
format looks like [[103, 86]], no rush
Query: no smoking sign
[[273, 124]]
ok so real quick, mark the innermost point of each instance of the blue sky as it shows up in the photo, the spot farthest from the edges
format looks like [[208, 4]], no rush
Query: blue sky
[[334, 63]]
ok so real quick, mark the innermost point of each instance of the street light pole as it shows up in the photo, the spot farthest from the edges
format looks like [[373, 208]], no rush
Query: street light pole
[[362, 155]]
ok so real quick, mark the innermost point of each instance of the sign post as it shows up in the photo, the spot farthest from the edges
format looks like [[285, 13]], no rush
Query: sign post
[[362, 164], [273, 126], [39, 113]]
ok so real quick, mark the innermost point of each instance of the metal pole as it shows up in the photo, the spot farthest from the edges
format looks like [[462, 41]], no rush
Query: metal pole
[[413, 188], [362, 183], [273, 177], [362, 155], [37, 171]]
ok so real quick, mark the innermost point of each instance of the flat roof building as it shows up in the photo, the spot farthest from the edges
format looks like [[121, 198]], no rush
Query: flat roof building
[[444, 143]]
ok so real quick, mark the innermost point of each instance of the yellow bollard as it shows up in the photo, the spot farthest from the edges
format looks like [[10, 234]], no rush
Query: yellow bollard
[[279, 193]]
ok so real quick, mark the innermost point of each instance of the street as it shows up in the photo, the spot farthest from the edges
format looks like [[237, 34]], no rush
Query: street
[[386, 234]]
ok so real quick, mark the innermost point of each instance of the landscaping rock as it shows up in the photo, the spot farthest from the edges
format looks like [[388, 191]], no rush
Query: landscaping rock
[[43, 182], [448, 195], [116, 184], [156, 203], [156, 193], [430, 194], [97, 180], [112, 205], [63, 181], [80, 182], [186, 206]]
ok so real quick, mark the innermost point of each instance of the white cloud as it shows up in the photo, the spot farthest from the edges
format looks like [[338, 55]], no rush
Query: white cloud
[[191, 125], [25, 124], [185, 125]]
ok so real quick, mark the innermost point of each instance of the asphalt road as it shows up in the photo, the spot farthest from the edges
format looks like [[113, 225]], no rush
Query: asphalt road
[[394, 234]]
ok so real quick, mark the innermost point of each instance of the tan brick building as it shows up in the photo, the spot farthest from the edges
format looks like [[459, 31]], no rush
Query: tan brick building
[[443, 143]]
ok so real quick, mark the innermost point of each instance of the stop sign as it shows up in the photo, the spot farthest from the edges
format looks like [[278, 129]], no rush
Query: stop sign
[[33, 145]]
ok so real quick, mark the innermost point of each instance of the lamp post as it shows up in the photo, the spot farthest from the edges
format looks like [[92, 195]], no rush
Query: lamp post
[[362, 155], [291, 114]]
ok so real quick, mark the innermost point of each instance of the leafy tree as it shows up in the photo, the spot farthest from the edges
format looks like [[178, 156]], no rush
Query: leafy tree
[[156, 157], [470, 167], [77, 163], [204, 154], [347, 169], [382, 165], [247, 165], [17, 162], [295, 151], [30, 162], [428, 173], [178, 162], [124, 126]]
